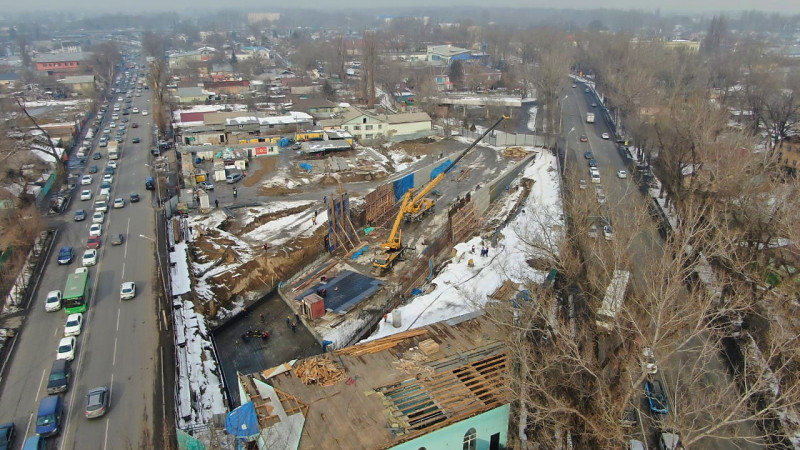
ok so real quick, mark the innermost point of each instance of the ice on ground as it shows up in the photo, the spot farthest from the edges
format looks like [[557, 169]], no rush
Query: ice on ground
[[286, 228], [179, 270], [461, 289]]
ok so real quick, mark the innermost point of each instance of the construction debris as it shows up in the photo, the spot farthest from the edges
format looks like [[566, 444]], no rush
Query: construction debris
[[428, 346], [321, 371], [515, 153], [380, 344]]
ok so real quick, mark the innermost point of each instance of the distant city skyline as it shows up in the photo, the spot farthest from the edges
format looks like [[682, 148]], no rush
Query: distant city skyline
[[666, 7]]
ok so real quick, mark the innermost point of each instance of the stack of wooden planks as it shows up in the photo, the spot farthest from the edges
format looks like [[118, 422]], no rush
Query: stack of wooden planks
[[380, 344], [321, 371]]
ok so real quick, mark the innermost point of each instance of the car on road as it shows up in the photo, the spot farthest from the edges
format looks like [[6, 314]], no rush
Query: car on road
[[93, 242], [116, 239], [86, 180], [92, 169], [80, 215], [96, 156], [588, 155], [594, 174], [109, 178], [89, 257], [112, 163], [58, 381], [206, 185], [594, 104], [584, 138], [109, 169], [53, 301], [656, 398], [65, 255], [149, 183], [135, 140], [48, 416], [233, 178], [96, 402], [135, 125], [135, 110], [112, 125], [96, 229], [608, 233], [105, 184], [622, 174], [649, 364], [605, 136], [574, 85], [127, 290], [586, 90], [7, 435], [134, 197], [103, 142], [592, 163], [144, 112], [119, 203], [66, 348], [601, 197], [86, 194], [73, 325], [98, 217]]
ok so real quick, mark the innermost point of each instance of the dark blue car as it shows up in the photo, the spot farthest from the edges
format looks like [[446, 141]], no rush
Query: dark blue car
[[656, 397], [65, 255]]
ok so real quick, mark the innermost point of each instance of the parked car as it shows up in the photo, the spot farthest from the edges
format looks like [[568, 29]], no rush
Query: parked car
[[127, 290], [7, 435], [622, 174], [206, 185], [96, 402], [66, 348], [80, 215], [73, 325], [656, 398], [53, 301], [93, 242], [233, 178], [116, 239], [582, 184], [605, 136], [58, 381], [89, 257], [149, 183], [65, 255]]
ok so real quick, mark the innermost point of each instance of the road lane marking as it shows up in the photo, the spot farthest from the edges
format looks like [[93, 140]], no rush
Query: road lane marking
[[127, 234], [123, 271], [118, 312], [105, 439], [114, 360], [44, 372], [28, 428]]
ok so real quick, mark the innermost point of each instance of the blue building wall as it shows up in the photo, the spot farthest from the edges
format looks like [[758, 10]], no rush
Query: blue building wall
[[452, 436]]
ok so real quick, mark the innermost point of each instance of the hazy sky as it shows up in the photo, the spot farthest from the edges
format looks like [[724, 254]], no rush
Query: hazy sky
[[784, 6]]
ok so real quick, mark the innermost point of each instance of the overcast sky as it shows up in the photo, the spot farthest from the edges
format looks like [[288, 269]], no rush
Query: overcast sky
[[693, 6]]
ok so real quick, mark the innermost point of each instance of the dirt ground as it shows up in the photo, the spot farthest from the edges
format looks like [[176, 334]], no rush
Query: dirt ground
[[259, 168]]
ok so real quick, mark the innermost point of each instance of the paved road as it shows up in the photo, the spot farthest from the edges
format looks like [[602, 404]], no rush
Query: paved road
[[619, 194], [119, 345]]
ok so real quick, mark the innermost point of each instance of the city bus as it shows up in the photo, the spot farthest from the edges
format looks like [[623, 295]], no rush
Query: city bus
[[612, 302], [76, 294]]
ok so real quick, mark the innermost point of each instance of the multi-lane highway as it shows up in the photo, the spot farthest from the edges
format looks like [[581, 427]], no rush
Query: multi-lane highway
[[119, 346]]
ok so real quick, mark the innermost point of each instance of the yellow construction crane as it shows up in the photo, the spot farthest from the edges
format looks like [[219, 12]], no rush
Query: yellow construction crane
[[420, 205], [393, 247]]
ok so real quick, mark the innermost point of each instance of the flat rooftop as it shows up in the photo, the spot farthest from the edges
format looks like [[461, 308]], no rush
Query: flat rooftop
[[387, 391]]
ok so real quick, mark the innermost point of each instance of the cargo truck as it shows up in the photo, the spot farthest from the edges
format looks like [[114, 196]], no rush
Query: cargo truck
[[113, 150]]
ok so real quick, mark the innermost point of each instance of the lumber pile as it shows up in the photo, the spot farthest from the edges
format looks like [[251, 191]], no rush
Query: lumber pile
[[515, 153], [321, 371], [429, 346], [381, 344]]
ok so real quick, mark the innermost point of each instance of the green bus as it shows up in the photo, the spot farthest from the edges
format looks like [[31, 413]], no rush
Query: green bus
[[76, 294]]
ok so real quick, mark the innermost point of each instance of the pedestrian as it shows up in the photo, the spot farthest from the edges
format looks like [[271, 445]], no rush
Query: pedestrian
[[487, 251], [288, 321], [235, 193], [473, 250], [297, 317], [315, 212], [314, 220], [216, 203], [294, 327], [385, 318], [261, 316]]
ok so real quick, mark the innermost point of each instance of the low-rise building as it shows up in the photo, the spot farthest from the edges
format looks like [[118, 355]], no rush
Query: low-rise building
[[83, 84], [61, 63], [367, 126], [788, 152], [193, 94], [440, 386]]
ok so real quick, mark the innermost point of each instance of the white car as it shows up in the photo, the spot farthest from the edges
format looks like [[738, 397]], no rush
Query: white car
[[66, 348], [649, 361], [98, 217], [135, 110], [86, 180], [595, 176], [105, 192], [119, 202], [89, 257], [144, 113], [127, 290], [112, 163], [108, 177], [86, 194], [622, 174], [53, 301], [73, 325], [95, 230], [605, 136]]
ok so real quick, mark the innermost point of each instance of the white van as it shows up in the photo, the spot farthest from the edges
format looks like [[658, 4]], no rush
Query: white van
[[101, 204]]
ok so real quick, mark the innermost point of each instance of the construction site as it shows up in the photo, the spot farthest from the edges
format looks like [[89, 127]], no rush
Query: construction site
[[320, 269]]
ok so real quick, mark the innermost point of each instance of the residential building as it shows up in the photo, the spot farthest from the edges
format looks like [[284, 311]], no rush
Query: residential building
[[440, 386], [82, 84], [61, 63], [184, 59], [318, 108], [191, 95], [230, 87], [366, 126], [788, 152]]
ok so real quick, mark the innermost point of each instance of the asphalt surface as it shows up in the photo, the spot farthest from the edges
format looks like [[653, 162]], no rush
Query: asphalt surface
[[575, 104], [119, 344]]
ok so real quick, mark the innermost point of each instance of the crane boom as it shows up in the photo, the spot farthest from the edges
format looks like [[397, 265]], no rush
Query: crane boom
[[419, 204], [395, 239]]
